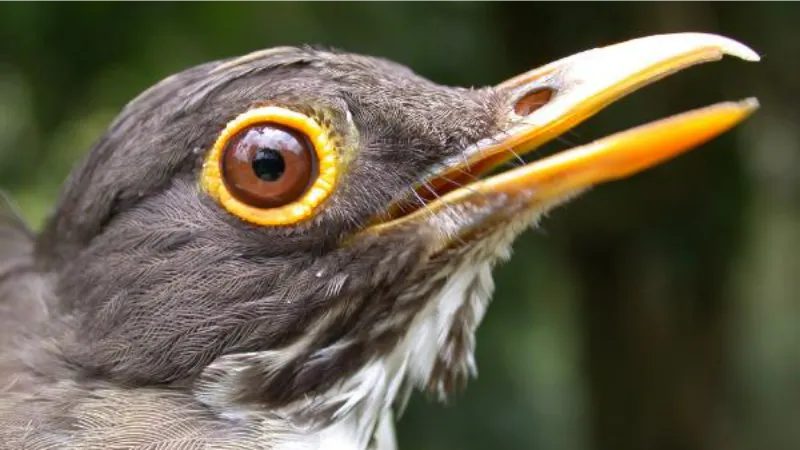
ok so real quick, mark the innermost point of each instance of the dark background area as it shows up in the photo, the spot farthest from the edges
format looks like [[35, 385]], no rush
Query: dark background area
[[660, 312]]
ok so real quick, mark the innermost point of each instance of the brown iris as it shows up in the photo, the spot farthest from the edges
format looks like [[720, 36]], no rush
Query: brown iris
[[268, 165]]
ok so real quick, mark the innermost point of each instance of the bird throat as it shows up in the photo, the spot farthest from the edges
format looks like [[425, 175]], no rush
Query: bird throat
[[435, 354]]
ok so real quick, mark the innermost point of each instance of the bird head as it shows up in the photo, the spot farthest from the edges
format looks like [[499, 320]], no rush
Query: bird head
[[297, 222]]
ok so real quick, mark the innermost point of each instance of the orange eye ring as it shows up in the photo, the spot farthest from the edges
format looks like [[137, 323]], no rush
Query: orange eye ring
[[212, 178]]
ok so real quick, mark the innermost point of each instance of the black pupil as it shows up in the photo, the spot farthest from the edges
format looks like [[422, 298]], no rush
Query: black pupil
[[268, 164]]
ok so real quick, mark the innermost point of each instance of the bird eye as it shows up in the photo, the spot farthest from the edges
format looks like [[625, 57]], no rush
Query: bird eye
[[268, 166], [271, 166]]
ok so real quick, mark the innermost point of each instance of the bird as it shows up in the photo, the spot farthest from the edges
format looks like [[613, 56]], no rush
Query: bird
[[275, 250]]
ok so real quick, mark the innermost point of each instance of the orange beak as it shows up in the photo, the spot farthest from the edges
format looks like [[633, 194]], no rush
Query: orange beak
[[547, 102]]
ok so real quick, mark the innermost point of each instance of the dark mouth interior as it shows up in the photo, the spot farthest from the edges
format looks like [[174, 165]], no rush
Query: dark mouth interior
[[464, 174]]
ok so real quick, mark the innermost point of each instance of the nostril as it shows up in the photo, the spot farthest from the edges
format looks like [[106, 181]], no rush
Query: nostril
[[533, 100]]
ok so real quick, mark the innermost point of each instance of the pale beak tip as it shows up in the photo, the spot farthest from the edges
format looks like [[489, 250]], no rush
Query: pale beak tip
[[750, 104], [724, 45], [739, 50]]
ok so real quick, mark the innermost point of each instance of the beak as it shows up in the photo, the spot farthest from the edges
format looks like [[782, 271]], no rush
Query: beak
[[547, 102]]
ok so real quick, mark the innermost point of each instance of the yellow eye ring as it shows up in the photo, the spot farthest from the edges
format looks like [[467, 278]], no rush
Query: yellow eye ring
[[321, 183]]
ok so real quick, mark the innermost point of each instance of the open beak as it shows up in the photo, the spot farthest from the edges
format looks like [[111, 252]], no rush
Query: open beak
[[547, 102]]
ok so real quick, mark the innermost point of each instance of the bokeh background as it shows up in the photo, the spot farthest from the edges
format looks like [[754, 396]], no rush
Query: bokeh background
[[660, 312]]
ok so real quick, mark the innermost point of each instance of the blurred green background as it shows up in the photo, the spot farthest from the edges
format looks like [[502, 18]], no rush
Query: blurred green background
[[659, 312]]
